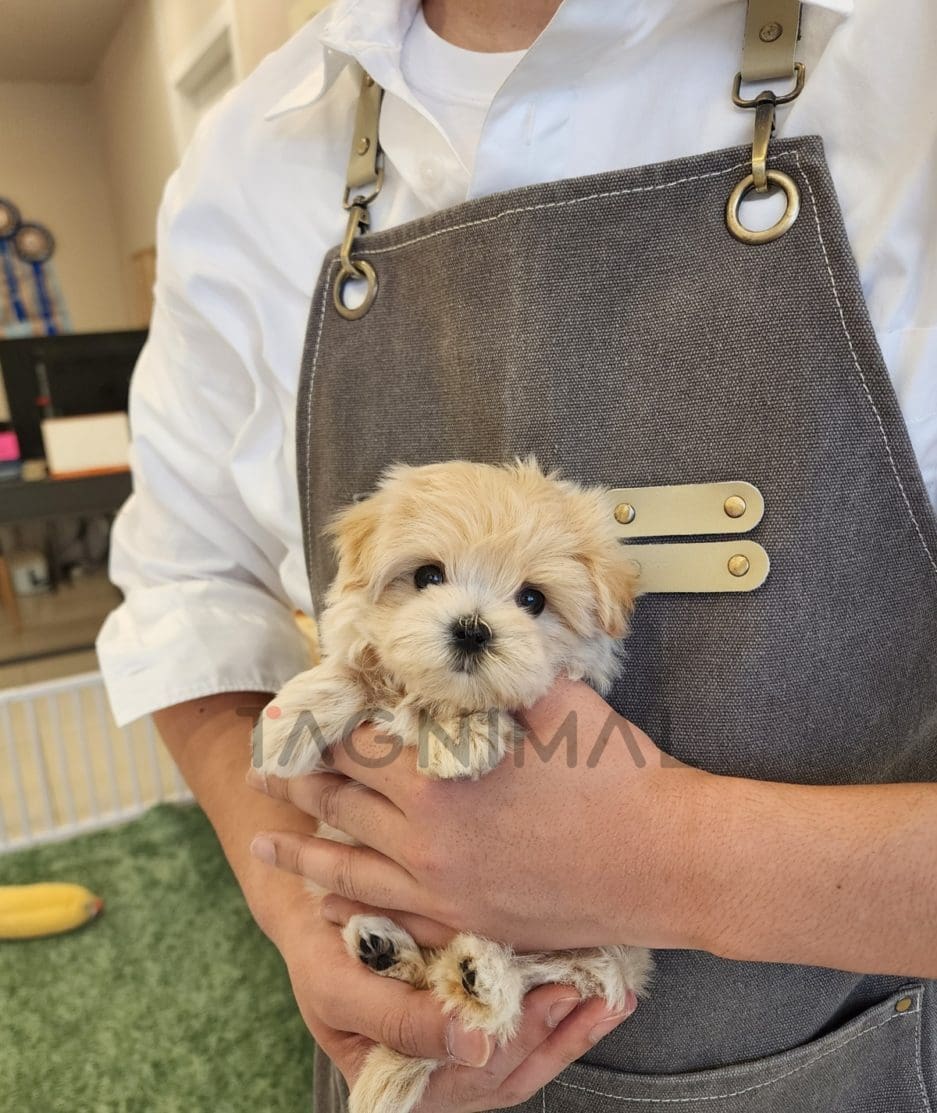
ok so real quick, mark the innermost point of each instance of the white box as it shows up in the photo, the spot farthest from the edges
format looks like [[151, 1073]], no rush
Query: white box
[[86, 445]]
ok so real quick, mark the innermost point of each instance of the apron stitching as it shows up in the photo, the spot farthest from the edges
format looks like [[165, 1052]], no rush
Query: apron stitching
[[559, 204], [920, 1074], [862, 378], [326, 286], [543, 1100], [746, 1089]]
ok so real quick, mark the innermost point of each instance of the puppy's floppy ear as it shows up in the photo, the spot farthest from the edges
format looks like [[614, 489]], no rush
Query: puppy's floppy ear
[[614, 583], [352, 531]]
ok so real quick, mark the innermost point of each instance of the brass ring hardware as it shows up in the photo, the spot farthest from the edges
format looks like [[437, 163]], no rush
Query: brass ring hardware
[[761, 178], [354, 270], [791, 212], [800, 74]]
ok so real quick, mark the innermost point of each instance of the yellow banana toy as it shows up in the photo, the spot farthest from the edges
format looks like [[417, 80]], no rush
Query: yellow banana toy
[[50, 908]]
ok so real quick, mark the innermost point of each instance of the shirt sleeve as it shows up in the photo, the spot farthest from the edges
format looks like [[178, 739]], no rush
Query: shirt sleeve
[[204, 609]]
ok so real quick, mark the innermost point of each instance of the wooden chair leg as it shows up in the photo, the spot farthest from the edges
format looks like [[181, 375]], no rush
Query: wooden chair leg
[[8, 596]]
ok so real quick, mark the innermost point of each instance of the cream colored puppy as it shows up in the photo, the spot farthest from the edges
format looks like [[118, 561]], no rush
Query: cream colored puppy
[[463, 590]]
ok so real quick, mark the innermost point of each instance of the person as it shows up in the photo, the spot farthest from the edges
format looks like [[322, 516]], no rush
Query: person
[[763, 812]]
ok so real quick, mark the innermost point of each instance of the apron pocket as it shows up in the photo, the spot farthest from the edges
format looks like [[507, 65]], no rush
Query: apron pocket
[[870, 1065]]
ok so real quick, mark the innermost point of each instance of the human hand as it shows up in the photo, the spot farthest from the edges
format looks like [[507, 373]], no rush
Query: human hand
[[593, 843], [347, 1008]]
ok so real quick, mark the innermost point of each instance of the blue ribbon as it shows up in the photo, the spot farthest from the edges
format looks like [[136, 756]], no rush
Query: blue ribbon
[[13, 285], [42, 296]]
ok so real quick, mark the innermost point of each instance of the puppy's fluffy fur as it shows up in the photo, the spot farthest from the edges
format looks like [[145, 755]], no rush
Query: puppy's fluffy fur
[[463, 590]]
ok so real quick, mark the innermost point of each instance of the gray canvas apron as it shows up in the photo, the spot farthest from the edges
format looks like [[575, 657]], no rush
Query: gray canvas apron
[[613, 326]]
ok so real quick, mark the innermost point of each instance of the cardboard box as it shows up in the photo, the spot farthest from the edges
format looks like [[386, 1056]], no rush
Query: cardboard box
[[92, 444]]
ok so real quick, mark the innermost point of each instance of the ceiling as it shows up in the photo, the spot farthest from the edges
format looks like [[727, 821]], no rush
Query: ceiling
[[55, 40]]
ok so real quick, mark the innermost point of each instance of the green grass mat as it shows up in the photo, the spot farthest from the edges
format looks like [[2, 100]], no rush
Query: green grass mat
[[171, 1002]]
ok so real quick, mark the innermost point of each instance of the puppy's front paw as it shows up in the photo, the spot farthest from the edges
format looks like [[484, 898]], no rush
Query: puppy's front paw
[[385, 948], [314, 711], [480, 982], [466, 746]]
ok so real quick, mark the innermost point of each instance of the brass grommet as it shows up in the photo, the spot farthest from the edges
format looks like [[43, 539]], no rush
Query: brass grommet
[[739, 564], [624, 513], [746, 235], [734, 506], [903, 1004], [771, 32], [356, 270], [363, 145]]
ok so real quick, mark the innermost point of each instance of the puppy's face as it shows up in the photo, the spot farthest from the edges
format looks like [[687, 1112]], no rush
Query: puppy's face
[[479, 584]]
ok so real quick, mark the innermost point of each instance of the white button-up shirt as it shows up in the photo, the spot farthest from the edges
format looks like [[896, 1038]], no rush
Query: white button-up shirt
[[208, 551]]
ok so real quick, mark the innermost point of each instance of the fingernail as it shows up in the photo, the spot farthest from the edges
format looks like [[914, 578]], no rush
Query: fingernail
[[605, 1026], [256, 779], [561, 1009], [263, 849], [468, 1048]]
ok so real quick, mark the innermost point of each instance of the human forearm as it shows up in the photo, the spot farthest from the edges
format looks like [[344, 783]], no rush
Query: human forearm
[[209, 739], [826, 876]]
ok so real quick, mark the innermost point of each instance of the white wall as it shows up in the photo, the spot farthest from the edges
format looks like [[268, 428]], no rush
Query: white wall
[[133, 91], [129, 91], [52, 168]]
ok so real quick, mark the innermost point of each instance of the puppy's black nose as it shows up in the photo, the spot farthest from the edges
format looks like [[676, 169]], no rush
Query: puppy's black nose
[[470, 633]]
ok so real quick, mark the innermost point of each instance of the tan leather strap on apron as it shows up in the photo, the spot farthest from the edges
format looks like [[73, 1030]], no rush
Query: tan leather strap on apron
[[771, 32]]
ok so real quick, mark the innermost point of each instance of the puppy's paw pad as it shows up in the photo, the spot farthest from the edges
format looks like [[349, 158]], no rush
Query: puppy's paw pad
[[385, 948], [481, 983], [377, 951], [469, 976]]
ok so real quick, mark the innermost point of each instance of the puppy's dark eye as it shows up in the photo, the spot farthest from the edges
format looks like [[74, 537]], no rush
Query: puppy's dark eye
[[428, 574], [530, 599]]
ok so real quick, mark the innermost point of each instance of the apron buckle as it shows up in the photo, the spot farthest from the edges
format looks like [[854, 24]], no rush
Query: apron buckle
[[365, 172], [761, 178]]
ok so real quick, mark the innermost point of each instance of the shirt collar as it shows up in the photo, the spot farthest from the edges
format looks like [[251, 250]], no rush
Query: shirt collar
[[371, 32]]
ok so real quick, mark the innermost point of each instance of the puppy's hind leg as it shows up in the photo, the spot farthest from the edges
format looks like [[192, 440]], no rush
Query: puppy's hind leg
[[386, 949], [482, 983], [389, 1082], [606, 972]]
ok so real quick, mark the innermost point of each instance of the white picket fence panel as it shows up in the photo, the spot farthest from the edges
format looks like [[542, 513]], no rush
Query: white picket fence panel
[[66, 767]]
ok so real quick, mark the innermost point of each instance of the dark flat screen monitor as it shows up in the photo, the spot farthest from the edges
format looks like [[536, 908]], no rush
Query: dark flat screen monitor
[[83, 372]]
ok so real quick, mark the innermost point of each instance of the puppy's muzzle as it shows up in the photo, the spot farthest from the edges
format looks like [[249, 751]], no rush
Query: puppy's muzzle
[[470, 634]]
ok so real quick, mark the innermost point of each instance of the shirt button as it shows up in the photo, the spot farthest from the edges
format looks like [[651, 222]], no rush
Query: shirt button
[[431, 171]]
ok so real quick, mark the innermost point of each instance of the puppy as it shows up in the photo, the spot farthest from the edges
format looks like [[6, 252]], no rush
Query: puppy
[[463, 590]]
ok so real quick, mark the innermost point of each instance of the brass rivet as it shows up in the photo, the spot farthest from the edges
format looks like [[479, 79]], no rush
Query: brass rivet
[[368, 80], [739, 564], [734, 506], [903, 1004], [363, 145], [771, 32], [624, 513]]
